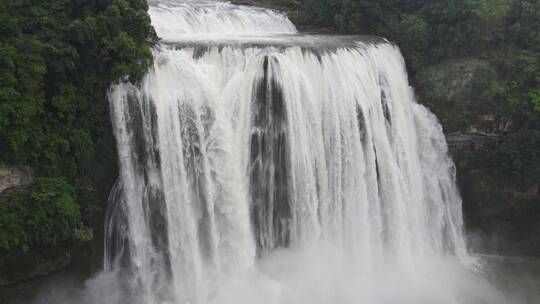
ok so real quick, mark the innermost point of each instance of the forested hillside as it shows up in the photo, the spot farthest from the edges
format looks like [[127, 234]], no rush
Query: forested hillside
[[57, 61]]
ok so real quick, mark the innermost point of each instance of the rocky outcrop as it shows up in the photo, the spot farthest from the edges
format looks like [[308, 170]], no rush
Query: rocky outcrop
[[35, 265], [472, 141], [484, 133], [453, 81], [460, 93], [14, 179]]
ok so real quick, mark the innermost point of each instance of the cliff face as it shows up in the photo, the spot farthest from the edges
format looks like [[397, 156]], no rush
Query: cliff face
[[501, 216]]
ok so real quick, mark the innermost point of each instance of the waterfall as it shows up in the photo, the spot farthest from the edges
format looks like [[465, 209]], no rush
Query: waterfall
[[177, 20], [253, 158]]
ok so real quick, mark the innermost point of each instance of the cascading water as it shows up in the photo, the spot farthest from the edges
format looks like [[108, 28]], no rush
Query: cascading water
[[262, 166], [174, 20]]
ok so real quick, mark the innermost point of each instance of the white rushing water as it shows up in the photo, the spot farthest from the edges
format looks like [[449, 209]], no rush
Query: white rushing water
[[177, 19], [291, 171]]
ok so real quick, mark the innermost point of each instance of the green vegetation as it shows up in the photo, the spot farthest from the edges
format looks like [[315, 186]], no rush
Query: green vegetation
[[57, 61], [47, 215]]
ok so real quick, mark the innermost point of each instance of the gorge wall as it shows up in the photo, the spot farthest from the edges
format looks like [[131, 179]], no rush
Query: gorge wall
[[502, 216]]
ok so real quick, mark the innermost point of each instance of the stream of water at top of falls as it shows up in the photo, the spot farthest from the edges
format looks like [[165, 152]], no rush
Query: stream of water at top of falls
[[259, 165]]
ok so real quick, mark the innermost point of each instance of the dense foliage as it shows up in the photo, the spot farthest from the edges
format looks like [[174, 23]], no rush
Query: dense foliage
[[57, 61], [47, 216]]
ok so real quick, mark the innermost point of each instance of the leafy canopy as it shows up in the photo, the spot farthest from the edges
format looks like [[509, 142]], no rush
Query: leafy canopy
[[57, 61]]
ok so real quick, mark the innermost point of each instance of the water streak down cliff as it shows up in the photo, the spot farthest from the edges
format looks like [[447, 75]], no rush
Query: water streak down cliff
[[255, 160]]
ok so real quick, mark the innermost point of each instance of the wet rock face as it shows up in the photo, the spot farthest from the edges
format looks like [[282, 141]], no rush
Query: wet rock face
[[35, 265], [516, 277], [501, 218], [14, 179]]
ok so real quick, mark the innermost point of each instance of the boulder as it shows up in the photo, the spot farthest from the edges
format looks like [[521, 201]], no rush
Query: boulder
[[14, 179]]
